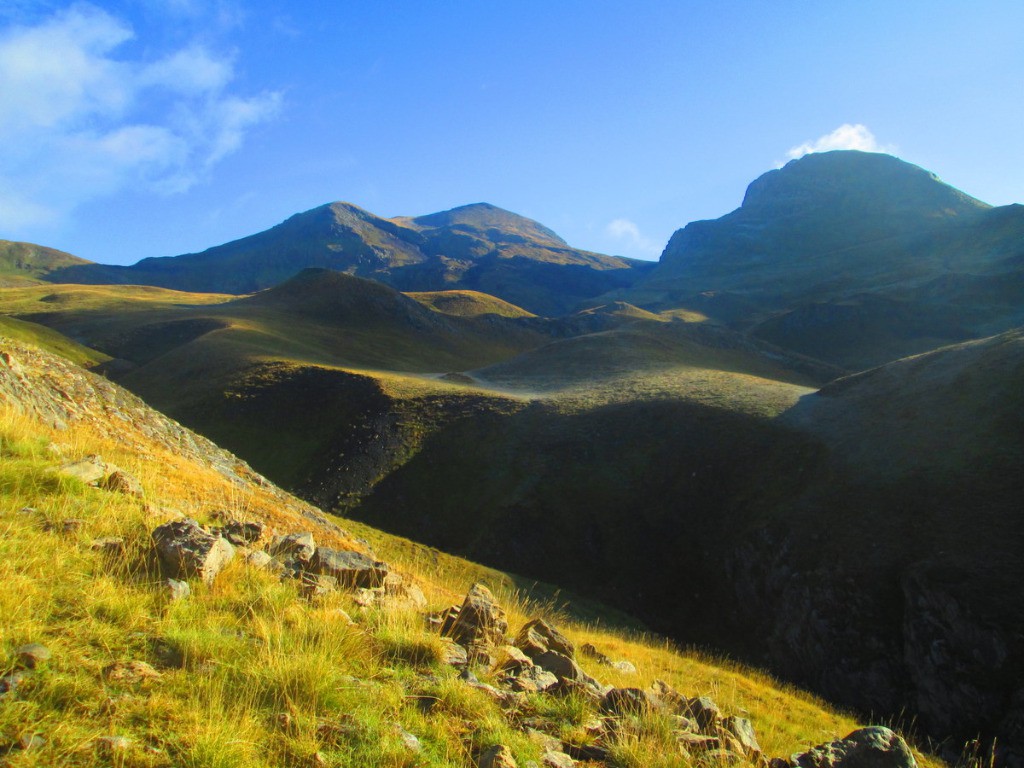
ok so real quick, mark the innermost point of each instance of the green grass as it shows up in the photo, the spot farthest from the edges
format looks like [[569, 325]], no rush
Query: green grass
[[51, 341], [252, 675]]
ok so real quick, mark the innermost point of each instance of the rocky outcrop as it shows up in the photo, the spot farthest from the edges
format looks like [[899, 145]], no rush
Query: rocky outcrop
[[187, 550], [875, 747]]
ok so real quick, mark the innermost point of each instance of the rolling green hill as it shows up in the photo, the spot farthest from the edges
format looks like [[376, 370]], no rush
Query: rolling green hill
[[476, 247], [27, 263]]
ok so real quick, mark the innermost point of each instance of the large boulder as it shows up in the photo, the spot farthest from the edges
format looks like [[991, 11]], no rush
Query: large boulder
[[187, 550], [350, 568], [875, 747], [294, 548]]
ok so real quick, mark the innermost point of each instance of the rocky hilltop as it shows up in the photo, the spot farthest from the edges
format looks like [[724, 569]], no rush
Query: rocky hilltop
[[855, 258], [477, 247]]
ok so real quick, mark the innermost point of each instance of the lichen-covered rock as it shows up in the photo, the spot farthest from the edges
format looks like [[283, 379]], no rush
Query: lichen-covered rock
[[875, 747], [350, 568], [90, 470], [187, 550], [32, 655]]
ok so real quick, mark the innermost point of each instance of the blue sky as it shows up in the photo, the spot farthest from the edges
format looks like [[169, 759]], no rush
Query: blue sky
[[157, 127]]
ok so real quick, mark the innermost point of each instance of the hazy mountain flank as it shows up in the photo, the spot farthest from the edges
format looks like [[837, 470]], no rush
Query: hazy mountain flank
[[477, 247], [851, 257]]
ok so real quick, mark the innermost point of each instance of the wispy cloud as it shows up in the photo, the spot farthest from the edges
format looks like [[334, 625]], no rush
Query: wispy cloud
[[627, 232], [846, 136], [86, 123]]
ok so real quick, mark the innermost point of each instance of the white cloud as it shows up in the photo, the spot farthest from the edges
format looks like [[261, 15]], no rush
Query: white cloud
[[83, 122], [626, 231], [846, 136]]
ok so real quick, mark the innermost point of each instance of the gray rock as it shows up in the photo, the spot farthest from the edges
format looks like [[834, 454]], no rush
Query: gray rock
[[537, 636], [626, 701], [532, 680], [30, 741], [313, 585], [112, 546], [242, 534], [409, 741], [294, 546], [113, 744], [120, 481], [565, 669], [263, 561], [31, 655], [130, 672], [9, 683], [177, 590], [481, 622], [187, 550], [90, 470], [454, 655], [625, 667], [705, 713], [743, 730], [556, 760], [875, 747], [350, 568], [498, 756]]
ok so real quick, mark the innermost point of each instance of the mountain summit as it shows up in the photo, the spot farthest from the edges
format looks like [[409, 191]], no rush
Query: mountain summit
[[853, 257], [478, 247]]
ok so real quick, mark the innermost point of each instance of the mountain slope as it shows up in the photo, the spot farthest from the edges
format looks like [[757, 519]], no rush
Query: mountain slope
[[252, 668], [477, 247], [28, 262], [856, 258]]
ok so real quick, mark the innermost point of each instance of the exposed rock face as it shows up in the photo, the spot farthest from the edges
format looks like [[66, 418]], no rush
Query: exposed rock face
[[188, 550], [875, 747], [350, 568], [481, 622]]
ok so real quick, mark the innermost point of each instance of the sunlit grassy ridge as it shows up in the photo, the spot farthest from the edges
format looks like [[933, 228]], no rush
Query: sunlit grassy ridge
[[250, 674]]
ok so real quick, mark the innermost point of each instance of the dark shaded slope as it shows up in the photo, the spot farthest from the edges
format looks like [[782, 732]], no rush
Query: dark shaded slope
[[478, 247], [852, 257]]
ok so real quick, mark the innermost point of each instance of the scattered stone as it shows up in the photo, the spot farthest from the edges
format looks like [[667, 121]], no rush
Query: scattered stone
[[314, 585], [556, 760], [400, 594], [177, 590], [625, 667], [589, 651], [120, 481], [626, 701], [350, 568], [743, 730], [454, 655], [242, 534], [705, 713], [30, 741], [481, 622], [565, 669], [698, 742], [537, 637], [89, 470], [409, 741], [875, 747], [498, 756], [722, 757], [447, 619], [113, 744], [532, 680], [65, 527], [545, 741], [31, 655], [294, 546], [188, 550], [130, 672], [515, 660], [111, 546], [9, 683], [263, 561]]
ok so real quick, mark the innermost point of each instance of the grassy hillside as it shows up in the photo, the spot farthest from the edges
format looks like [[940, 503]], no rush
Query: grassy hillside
[[26, 263], [245, 671]]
